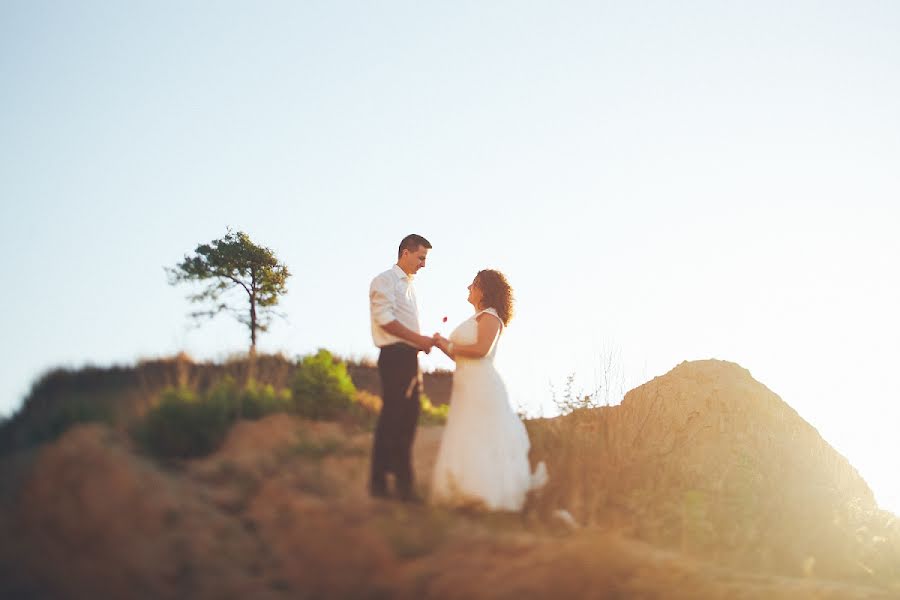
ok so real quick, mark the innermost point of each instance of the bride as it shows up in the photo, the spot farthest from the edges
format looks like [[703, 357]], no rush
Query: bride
[[483, 458]]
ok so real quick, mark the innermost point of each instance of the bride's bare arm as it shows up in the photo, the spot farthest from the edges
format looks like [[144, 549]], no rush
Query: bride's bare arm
[[488, 326]]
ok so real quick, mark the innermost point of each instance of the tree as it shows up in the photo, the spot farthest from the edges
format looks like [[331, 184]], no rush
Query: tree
[[235, 262]]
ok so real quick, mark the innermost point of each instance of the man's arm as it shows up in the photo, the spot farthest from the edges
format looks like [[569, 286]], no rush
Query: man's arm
[[382, 306], [402, 331]]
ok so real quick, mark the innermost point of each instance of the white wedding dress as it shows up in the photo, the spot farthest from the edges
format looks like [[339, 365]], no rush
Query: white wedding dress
[[483, 458]]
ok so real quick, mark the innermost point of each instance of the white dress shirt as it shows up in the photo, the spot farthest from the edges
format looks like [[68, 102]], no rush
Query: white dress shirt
[[392, 297]]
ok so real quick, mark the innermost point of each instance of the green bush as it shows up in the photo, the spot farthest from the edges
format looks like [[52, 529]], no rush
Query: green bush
[[70, 411], [185, 425], [321, 387], [431, 414], [258, 400], [364, 412], [367, 406]]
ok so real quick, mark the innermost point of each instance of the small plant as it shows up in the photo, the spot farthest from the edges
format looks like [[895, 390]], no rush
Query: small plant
[[609, 378], [185, 426], [571, 399], [258, 400], [365, 410], [321, 388], [431, 414]]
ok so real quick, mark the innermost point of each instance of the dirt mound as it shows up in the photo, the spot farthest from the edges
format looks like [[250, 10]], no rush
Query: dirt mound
[[708, 460], [100, 520]]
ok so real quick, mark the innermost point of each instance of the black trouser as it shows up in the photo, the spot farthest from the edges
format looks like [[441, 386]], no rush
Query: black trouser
[[398, 367]]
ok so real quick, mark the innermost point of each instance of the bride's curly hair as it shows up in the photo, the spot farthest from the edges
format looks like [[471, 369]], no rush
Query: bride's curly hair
[[496, 293]]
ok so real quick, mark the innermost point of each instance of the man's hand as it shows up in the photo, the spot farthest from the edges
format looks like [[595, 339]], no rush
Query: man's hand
[[422, 342], [440, 341], [425, 343]]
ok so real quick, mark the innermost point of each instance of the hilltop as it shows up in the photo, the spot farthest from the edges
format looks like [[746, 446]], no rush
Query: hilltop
[[121, 395], [701, 484]]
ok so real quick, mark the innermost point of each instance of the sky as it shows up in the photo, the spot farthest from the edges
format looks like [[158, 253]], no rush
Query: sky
[[659, 181]]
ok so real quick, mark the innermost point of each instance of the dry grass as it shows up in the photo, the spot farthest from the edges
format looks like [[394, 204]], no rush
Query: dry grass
[[661, 487], [732, 475]]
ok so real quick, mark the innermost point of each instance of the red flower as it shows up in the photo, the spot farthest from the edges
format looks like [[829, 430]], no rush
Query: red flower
[[444, 320]]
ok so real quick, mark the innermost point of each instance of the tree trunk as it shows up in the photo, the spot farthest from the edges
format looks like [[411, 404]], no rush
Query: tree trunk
[[251, 359], [252, 314]]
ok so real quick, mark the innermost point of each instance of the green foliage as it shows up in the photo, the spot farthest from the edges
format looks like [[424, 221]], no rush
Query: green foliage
[[365, 410], [72, 413], [321, 388], [258, 400], [235, 262], [253, 401], [185, 425], [431, 414]]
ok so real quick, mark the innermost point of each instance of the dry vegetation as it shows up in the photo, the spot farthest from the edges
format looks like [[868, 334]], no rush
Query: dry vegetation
[[707, 461], [702, 484]]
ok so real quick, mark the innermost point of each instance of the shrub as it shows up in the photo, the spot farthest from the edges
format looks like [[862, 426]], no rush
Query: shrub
[[68, 413], [365, 410], [431, 414], [184, 426], [321, 388], [258, 400], [367, 406]]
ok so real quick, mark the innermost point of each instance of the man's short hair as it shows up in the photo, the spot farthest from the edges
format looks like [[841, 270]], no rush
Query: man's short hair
[[412, 243]]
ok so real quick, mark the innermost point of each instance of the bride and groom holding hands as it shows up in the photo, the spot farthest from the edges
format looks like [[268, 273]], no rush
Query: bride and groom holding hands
[[483, 457]]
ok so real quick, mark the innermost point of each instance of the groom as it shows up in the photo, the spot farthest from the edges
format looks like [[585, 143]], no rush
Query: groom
[[395, 329]]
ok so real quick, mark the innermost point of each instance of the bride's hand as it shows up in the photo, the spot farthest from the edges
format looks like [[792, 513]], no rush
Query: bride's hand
[[441, 342]]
